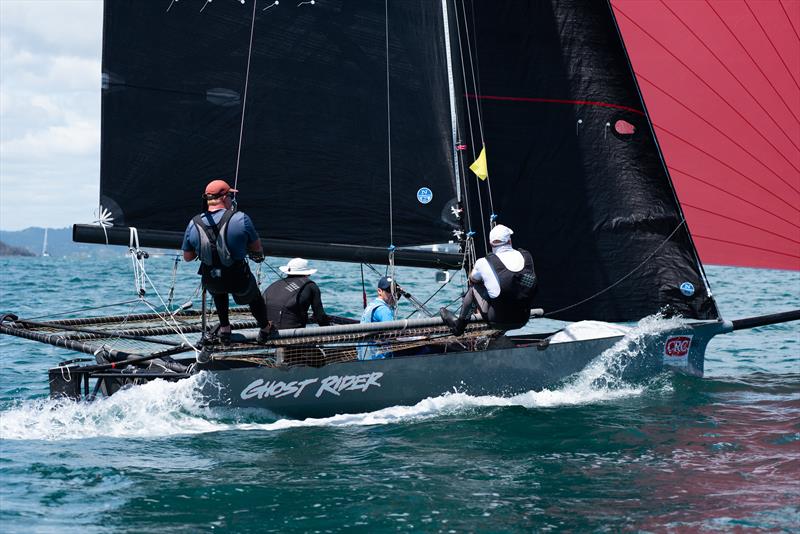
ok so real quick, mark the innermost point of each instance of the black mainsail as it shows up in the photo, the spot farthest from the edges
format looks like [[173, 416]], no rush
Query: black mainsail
[[546, 86], [574, 164], [313, 165]]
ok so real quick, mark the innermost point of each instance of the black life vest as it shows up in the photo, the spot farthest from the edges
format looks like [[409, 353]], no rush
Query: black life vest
[[517, 289], [283, 302], [213, 236]]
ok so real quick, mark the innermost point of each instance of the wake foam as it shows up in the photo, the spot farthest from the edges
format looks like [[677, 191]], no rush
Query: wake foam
[[157, 408], [161, 408]]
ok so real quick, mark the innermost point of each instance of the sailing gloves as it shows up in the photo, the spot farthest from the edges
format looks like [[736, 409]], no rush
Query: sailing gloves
[[257, 257]]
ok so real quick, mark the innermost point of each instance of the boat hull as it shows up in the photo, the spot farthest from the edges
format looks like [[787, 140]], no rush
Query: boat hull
[[363, 386]]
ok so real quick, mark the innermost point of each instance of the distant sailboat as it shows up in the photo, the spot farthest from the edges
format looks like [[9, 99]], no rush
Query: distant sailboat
[[45, 254]]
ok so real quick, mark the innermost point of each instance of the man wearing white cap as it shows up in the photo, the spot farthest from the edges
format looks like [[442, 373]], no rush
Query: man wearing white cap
[[502, 286], [222, 237], [289, 299]]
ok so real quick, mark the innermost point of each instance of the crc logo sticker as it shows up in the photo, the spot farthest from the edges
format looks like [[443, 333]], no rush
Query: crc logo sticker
[[330, 385], [677, 346], [424, 195]]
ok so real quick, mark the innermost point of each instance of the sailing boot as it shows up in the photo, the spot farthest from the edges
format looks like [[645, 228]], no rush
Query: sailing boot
[[266, 333], [224, 336], [456, 324]]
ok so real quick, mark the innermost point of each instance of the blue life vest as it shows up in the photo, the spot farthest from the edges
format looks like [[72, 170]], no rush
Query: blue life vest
[[371, 350]]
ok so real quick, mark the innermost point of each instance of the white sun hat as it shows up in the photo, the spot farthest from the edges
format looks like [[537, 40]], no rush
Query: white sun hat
[[500, 234], [297, 267]]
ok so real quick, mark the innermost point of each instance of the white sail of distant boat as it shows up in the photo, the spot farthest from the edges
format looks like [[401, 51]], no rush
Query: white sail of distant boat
[[45, 254]]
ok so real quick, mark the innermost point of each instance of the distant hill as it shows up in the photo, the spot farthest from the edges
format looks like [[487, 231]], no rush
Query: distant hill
[[59, 243], [7, 250]]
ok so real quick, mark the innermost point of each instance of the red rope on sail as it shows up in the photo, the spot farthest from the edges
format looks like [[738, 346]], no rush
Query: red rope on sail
[[702, 80], [554, 101], [721, 132]]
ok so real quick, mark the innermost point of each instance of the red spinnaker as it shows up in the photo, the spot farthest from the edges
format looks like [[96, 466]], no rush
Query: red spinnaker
[[721, 81]]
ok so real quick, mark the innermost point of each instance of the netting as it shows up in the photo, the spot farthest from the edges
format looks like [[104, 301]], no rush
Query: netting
[[145, 334]]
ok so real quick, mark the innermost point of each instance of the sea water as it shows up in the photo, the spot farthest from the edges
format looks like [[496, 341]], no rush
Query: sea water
[[674, 454]]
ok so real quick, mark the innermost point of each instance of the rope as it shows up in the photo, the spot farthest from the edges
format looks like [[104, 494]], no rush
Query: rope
[[137, 260], [476, 85], [78, 310], [171, 294], [244, 98], [612, 286]]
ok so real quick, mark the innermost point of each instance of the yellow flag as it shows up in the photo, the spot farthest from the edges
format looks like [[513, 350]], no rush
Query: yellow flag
[[479, 166]]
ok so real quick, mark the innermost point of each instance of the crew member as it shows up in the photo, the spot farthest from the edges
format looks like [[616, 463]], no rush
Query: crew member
[[221, 237], [502, 286], [289, 299], [380, 309]]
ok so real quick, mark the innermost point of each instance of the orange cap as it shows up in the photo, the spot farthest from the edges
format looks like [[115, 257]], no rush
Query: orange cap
[[217, 188]]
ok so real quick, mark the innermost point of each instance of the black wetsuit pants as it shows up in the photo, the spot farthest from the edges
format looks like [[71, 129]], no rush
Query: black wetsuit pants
[[257, 308]]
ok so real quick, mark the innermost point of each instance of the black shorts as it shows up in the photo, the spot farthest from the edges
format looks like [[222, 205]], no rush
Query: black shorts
[[236, 280]]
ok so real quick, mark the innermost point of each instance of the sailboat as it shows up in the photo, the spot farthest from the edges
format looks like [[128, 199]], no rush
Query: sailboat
[[45, 254], [349, 129]]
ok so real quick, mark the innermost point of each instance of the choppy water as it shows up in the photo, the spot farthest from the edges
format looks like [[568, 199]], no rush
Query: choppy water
[[678, 453]]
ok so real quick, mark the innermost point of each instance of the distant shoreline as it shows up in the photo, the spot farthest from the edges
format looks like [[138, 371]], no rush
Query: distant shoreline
[[8, 250]]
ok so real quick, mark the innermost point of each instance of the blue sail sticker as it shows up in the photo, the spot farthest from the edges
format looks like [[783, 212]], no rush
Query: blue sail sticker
[[424, 195], [687, 288]]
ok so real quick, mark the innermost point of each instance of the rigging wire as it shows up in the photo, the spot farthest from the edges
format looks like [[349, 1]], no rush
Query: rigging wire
[[623, 278], [470, 132], [470, 231], [80, 310], [476, 84], [704, 82], [244, 98]]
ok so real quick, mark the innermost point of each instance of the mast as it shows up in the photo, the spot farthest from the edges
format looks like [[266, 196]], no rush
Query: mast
[[44, 245], [452, 94]]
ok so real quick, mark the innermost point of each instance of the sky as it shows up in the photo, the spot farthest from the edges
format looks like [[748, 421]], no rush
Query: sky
[[50, 73]]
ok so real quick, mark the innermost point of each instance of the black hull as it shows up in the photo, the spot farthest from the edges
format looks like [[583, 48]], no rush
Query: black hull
[[363, 386]]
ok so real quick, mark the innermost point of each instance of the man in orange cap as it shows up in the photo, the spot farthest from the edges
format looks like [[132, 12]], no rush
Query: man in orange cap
[[222, 237]]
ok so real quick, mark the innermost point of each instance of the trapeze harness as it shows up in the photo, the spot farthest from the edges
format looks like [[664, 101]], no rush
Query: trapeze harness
[[219, 270], [517, 289], [283, 302]]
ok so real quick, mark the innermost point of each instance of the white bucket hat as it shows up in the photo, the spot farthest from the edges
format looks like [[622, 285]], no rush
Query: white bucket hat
[[297, 267], [500, 234]]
